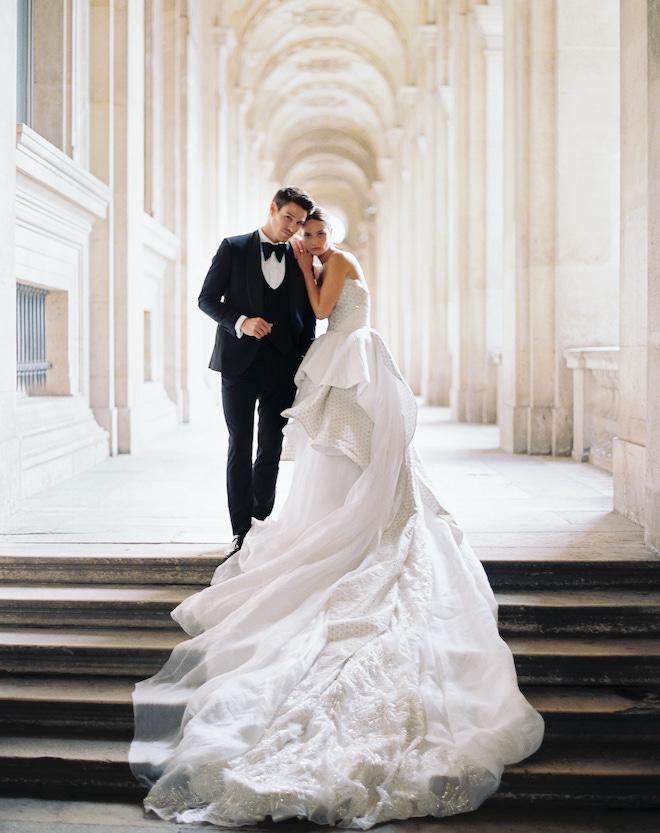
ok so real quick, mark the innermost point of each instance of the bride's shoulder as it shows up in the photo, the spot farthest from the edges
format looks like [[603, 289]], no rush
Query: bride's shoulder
[[348, 263], [339, 255], [345, 259]]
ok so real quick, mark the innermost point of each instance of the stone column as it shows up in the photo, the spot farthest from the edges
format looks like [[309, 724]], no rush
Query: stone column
[[528, 370], [381, 307], [129, 210], [458, 87], [173, 190], [652, 520], [102, 264], [408, 278], [194, 261], [629, 448], [10, 468], [467, 276], [240, 183], [432, 313], [156, 65], [394, 240], [587, 189], [220, 208], [489, 18]]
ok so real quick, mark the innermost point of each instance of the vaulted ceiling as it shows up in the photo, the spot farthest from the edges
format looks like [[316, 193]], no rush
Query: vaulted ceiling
[[322, 81]]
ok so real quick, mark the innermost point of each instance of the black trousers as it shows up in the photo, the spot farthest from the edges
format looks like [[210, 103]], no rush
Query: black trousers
[[251, 484]]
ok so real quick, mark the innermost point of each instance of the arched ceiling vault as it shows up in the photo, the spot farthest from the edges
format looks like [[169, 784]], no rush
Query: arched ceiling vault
[[323, 79]]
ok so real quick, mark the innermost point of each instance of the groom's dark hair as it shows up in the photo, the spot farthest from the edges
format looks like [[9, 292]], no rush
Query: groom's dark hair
[[291, 194]]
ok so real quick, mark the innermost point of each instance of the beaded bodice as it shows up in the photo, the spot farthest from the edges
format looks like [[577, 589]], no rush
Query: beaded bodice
[[352, 308]]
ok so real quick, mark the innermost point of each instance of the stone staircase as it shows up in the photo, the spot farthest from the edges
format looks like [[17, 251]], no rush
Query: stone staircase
[[77, 632]]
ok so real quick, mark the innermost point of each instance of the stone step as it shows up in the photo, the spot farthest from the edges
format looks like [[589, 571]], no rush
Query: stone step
[[90, 652], [557, 572], [611, 611], [578, 714], [153, 564], [66, 768], [102, 707], [593, 775], [32, 815], [589, 612], [91, 706], [73, 768], [586, 661], [140, 653], [92, 605], [70, 563]]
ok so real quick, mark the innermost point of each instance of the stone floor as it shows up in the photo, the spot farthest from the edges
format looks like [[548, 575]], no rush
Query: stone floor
[[170, 498]]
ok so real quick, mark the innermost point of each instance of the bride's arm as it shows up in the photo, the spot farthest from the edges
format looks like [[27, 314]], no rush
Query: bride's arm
[[323, 297]]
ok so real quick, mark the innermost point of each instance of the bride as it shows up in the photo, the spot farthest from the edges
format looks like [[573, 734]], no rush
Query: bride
[[345, 665]]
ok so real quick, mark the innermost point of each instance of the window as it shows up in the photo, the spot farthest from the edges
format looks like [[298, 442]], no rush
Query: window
[[31, 364]]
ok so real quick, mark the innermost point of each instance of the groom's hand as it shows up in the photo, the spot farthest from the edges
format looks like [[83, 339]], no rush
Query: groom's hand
[[256, 327]]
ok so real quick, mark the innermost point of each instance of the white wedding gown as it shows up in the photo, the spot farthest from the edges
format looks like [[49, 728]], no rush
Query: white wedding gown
[[346, 665]]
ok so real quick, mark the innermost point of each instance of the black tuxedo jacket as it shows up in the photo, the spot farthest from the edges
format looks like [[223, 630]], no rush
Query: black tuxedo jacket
[[234, 286]]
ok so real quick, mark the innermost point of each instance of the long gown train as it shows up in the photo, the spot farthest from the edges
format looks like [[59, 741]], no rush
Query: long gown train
[[346, 665]]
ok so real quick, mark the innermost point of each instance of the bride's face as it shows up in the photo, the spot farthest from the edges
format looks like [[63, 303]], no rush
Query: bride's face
[[316, 237]]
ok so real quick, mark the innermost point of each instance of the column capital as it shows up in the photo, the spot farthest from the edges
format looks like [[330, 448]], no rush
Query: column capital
[[490, 20], [427, 34], [244, 98], [447, 98], [408, 94], [223, 36], [385, 166]]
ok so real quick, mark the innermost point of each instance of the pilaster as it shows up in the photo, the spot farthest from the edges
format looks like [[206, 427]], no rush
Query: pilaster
[[10, 469], [409, 225], [652, 515], [490, 21], [587, 190], [128, 137], [432, 225], [169, 60], [528, 369], [102, 254], [468, 270], [629, 450]]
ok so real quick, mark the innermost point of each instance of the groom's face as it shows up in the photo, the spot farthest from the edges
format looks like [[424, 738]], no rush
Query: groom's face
[[284, 222]]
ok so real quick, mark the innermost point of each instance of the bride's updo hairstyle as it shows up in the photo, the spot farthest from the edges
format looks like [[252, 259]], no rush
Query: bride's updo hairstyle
[[321, 215]]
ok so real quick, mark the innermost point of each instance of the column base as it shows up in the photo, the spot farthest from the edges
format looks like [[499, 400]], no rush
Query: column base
[[629, 470], [513, 423], [107, 419]]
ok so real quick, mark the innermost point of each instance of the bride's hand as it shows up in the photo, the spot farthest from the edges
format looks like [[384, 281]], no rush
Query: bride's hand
[[304, 259], [297, 245]]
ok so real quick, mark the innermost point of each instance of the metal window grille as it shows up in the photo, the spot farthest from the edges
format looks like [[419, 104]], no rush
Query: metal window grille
[[31, 364]]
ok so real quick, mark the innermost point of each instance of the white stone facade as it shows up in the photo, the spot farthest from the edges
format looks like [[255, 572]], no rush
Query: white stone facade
[[496, 165]]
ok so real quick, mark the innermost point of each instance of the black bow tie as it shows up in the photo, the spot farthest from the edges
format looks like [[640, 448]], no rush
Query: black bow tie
[[269, 248]]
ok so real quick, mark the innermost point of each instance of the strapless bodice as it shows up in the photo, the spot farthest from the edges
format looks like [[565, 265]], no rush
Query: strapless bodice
[[351, 310]]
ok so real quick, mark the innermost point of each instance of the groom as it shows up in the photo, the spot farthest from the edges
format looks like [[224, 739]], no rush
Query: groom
[[256, 293]]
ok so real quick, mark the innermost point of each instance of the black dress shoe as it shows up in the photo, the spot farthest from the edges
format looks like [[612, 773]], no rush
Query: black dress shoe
[[234, 547]]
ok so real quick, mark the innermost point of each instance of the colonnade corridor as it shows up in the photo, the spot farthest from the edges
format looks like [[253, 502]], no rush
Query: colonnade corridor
[[90, 570], [493, 165]]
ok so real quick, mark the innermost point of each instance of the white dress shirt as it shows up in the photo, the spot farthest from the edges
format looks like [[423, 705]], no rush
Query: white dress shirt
[[273, 271]]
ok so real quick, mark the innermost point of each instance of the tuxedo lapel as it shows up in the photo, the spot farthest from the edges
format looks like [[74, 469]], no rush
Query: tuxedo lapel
[[298, 293], [255, 278]]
